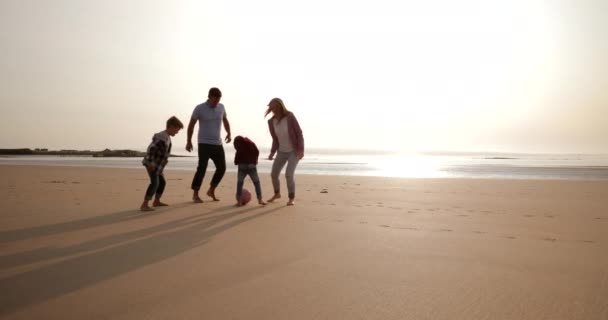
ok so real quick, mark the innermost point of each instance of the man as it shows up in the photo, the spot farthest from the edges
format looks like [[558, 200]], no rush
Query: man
[[210, 115]]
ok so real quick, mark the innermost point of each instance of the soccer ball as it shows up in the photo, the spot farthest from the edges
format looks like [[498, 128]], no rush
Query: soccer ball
[[245, 197]]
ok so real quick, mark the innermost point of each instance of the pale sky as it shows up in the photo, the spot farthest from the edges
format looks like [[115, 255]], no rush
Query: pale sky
[[521, 76]]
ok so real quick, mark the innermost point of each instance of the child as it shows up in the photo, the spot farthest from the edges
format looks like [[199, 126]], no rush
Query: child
[[246, 158], [157, 157]]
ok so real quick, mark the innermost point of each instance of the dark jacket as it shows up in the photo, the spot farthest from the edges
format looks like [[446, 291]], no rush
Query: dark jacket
[[246, 151]]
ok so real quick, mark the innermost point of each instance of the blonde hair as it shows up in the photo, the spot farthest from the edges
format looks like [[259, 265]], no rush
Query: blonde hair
[[282, 108]]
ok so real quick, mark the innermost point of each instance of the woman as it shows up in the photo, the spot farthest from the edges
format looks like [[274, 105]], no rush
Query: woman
[[288, 144]]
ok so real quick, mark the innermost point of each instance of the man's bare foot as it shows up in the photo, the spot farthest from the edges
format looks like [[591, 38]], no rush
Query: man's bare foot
[[238, 204], [261, 202], [157, 203], [211, 194], [146, 208], [291, 202], [196, 198], [275, 197]]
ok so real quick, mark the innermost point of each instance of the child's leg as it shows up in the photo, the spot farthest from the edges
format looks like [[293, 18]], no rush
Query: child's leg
[[159, 191], [239, 184], [154, 181], [256, 182]]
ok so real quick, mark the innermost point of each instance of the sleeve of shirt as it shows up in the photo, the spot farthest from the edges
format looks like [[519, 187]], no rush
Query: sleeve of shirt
[[195, 113]]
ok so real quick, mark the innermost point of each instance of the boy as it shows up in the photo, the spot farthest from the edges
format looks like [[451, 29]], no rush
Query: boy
[[246, 158], [157, 157]]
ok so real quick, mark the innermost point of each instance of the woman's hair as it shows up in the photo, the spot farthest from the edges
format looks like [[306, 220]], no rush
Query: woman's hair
[[283, 110]]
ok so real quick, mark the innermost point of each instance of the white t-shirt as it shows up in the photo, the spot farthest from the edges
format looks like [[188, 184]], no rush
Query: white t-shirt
[[282, 131], [209, 123]]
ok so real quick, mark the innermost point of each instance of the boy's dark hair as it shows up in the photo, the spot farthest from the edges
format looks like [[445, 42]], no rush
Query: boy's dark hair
[[238, 140], [215, 93], [174, 122]]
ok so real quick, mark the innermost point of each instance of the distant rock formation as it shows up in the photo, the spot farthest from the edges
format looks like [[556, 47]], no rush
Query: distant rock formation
[[104, 153]]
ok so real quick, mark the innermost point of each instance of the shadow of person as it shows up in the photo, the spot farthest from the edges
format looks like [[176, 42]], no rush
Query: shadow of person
[[47, 230], [49, 253], [66, 276]]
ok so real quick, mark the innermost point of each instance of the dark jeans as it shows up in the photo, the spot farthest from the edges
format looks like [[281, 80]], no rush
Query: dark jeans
[[250, 170], [216, 154], [157, 184]]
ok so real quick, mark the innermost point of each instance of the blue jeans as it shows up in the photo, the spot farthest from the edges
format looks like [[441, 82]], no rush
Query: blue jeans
[[250, 170], [157, 184]]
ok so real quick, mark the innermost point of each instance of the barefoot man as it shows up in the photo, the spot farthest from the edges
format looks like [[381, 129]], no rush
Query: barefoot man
[[210, 115]]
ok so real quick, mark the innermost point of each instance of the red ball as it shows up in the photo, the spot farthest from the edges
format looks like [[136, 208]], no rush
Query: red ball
[[245, 197]]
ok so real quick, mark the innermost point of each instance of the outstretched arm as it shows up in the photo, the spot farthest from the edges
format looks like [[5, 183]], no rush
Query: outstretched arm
[[190, 132], [227, 127]]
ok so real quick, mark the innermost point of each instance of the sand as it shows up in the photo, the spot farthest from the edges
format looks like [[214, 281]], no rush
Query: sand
[[74, 246]]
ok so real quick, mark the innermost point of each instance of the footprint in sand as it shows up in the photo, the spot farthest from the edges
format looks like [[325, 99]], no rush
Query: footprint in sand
[[528, 215], [338, 220], [463, 215], [446, 230], [384, 226], [480, 232], [363, 222], [511, 237], [549, 216], [550, 239]]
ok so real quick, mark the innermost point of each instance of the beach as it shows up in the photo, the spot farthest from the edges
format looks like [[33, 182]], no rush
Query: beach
[[73, 245]]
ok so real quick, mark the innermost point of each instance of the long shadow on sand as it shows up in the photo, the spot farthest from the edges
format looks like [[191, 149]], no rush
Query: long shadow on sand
[[63, 277], [48, 253], [51, 229]]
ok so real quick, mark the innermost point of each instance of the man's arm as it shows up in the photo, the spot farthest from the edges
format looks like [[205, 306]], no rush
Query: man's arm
[[227, 127], [190, 132]]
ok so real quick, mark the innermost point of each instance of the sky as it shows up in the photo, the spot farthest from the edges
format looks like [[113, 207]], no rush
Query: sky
[[511, 76]]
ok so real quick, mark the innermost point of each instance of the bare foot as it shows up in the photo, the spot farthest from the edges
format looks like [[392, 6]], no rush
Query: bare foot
[[261, 202], [196, 198], [275, 197], [291, 202], [146, 208], [211, 194], [157, 203], [238, 204]]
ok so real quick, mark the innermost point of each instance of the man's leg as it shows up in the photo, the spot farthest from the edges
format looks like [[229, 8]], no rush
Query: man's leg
[[197, 181], [219, 160]]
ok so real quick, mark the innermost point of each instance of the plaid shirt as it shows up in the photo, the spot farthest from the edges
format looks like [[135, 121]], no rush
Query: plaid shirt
[[157, 154]]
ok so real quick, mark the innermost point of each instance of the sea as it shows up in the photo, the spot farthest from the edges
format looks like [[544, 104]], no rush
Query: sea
[[382, 164]]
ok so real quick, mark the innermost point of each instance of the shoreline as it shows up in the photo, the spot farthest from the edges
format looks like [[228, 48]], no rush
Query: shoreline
[[500, 172]]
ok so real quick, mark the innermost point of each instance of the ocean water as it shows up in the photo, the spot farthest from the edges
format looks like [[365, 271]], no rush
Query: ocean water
[[384, 164]]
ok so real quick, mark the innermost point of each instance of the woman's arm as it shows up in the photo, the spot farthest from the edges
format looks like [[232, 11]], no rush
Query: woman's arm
[[297, 136], [275, 140]]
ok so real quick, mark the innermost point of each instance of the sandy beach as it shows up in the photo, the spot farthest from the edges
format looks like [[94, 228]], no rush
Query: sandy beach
[[74, 246]]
